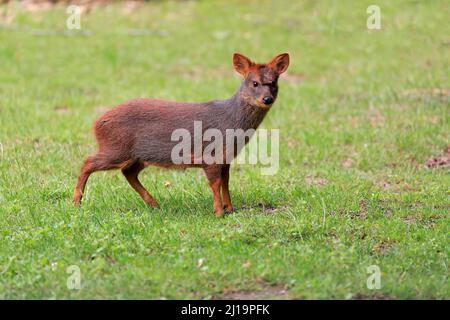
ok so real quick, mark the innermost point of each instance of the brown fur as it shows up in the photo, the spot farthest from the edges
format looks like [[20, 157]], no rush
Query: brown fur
[[137, 133]]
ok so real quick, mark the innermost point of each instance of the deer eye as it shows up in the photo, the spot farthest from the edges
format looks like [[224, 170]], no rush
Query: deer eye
[[255, 84]]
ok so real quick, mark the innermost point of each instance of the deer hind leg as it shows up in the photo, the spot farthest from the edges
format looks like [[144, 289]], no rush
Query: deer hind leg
[[225, 191], [131, 174], [93, 163], [214, 176]]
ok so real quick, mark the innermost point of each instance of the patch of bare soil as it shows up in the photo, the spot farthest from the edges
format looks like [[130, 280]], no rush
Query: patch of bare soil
[[428, 222], [44, 5], [347, 163], [441, 161], [376, 296], [414, 218], [85, 5], [428, 94], [102, 109], [276, 292], [7, 14], [362, 213], [382, 247], [37, 5], [396, 186], [410, 220], [61, 109], [313, 180], [428, 91], [292, 143], [130, 6], [375, 117]]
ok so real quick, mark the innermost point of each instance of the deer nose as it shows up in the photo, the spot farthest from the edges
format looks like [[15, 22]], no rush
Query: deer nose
[[267, 100]]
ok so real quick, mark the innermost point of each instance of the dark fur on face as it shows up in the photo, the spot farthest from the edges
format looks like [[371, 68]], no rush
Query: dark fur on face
[[260, 86]]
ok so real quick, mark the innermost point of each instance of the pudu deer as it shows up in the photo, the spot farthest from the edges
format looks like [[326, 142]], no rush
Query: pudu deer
[[138, 133]]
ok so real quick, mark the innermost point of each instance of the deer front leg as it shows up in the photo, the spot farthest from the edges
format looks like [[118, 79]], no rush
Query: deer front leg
[[214, 176], [225, 191]]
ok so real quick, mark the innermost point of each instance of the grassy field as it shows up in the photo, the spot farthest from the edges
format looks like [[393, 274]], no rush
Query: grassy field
[[359, 111]]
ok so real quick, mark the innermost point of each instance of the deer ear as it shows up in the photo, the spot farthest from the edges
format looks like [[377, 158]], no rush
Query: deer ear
[[241, 63], [280, 63]]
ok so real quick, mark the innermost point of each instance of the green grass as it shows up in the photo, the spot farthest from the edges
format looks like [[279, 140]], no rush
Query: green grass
[[355, 109]]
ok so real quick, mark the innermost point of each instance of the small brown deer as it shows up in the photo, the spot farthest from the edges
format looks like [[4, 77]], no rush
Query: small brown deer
[[138, 133]]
